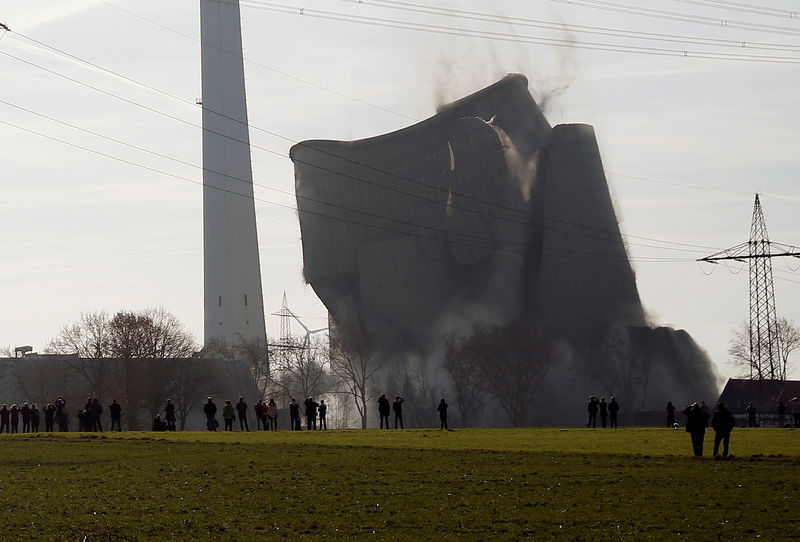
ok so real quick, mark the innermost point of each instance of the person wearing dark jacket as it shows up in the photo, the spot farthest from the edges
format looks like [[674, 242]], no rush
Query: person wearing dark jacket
[[115, 411], [294, 415], [210, 410], [95, 410], [397, 406], [592, 408], [241, 411], [613, 408], [751, 415], [25, 412], [723, 423], [670, 415], [49, 416], [5, 415], [603, 411], [169, 415], [384, 408], [323, 412], [696, 427], [442, 408], [34, 418], [311, 413]]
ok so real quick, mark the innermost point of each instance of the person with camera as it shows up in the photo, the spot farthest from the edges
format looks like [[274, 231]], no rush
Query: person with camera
[[723, 423]]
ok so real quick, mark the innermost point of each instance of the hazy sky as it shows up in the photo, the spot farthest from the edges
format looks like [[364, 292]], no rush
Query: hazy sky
[[106, 214]]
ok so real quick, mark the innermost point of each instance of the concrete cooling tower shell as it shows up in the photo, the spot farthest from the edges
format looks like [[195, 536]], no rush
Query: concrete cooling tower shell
[[485, 215]]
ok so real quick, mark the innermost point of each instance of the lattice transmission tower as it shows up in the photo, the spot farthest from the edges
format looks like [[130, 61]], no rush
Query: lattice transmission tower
[[764, 339]]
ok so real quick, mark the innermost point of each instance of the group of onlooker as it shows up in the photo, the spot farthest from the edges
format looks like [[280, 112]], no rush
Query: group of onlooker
[[607, 410], [266, 414]]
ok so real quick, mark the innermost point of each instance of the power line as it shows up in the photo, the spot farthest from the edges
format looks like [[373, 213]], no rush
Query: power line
[[744, 8], [501, 36], [681, 17], [255, 63], [358, 179], [560, 26]]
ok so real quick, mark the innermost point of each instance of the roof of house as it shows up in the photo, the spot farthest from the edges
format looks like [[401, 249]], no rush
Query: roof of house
[[764, 394]]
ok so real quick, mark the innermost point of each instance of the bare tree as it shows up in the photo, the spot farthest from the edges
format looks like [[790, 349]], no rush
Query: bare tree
[[739, 349], [354, 365], [255, 353], [191, 381], [462, 364], [300, 369], [621, 368], [513, 362]]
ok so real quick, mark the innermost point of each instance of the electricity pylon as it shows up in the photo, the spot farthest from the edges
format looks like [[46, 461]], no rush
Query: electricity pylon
[[758, 252]]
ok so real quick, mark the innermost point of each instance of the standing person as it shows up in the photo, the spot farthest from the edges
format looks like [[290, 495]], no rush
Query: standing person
[[95, 411], [613, 408], [272, 415], [228, 413], [442, 408], [115, 411], [323, 410], [86, 423], [696, 427], [794, 410], [61, 414], [592, 408], [670, 415], [5, 416], [294, 415], [751, 415], [210, 410], [49, 416], [258, 408], [384, 408], [15, 418], [781, 414], [169, 414], [34, 418], [603, 411], [241, 411], [723, 423], [311, 413], [397, 406], [25, 412]]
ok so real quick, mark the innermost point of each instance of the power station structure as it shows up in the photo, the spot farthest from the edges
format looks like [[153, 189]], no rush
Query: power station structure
[[484, 214], [764, 336], [233, 299]]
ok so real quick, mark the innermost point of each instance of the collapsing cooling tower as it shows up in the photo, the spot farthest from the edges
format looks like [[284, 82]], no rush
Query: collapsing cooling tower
[[481, 214]]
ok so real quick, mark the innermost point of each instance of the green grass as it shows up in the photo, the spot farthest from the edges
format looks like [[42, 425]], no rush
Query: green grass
[[479, 484]]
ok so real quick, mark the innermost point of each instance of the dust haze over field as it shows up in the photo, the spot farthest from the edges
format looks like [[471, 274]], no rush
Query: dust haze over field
[[485, 219]]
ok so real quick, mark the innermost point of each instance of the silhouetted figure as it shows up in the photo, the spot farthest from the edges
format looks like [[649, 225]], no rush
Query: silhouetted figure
[[169, 415], [228, 413], [272, 414], [613, 408], [62, 418], [781, 409], [34, 418], [603, 411], [49, 416], [115, 411], [5, 417], [241, 412], [442, 408], [592, 408], [210, 410], [670, 415], [323, 411], [158, 425], [397, 406], [723, 423], [311, 413], [706, 412], [294, 415], [15, 418], [384, 408], [258, 408], [25, 413], [95, 411], [696, 427], [751, 415], [82, 421], [794, 410]]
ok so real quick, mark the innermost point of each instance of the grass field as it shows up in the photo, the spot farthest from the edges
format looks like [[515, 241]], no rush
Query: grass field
[[476, 484]]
